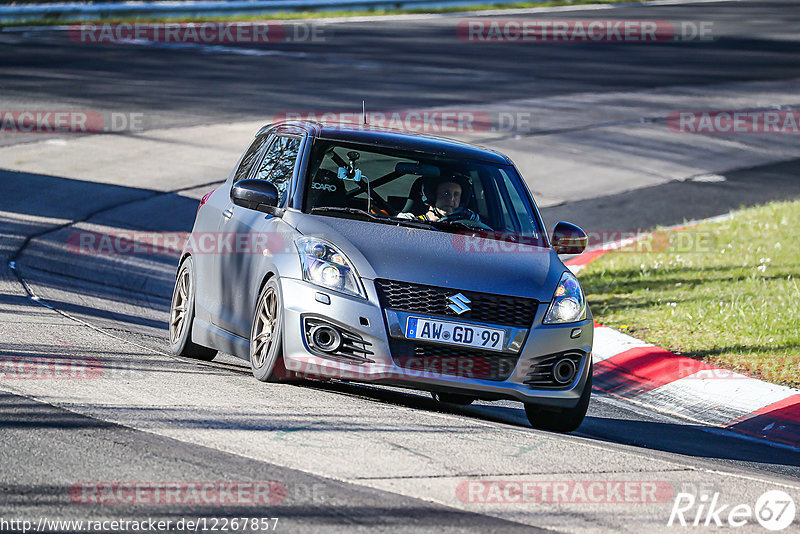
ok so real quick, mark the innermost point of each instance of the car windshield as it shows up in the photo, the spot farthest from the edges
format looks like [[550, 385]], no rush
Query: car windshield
[[408, 188]]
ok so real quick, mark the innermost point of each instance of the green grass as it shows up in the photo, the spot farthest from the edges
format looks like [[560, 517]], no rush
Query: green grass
[[725, 293], [51, 20]]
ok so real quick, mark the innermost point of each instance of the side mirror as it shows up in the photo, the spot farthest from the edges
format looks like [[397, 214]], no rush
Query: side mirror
[[569, 239], [257, 195]]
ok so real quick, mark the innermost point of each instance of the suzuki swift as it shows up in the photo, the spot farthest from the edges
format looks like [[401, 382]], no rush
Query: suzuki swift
[[372, 255]]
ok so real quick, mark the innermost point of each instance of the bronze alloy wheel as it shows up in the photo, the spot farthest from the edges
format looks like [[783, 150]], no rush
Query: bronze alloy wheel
[[266, 322], [181, 316], [266, 352], [180, 303]]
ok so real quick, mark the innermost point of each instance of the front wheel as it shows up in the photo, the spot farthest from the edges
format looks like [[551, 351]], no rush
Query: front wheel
[[266, 351], [181, 316], [565, 420]]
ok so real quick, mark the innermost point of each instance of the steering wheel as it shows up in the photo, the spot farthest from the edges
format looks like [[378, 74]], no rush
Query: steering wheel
[[466, 217]]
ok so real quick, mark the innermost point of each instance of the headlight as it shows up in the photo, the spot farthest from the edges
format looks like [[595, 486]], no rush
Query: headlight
[[326, 266], [568, 303]]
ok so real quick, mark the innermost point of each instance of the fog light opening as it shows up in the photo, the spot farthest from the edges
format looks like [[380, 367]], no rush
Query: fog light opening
[[326, 338], [564, 371]]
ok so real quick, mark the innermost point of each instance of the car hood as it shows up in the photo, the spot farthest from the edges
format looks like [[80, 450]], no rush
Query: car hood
[[438, 258]]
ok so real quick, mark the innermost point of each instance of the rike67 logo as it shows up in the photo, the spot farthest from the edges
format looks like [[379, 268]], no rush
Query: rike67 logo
[[774, 510]]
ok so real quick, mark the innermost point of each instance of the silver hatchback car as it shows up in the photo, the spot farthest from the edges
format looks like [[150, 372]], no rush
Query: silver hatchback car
[[365, 254]]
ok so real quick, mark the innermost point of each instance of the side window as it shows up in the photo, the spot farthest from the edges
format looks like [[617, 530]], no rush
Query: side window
[[249, 159], [279, 161]]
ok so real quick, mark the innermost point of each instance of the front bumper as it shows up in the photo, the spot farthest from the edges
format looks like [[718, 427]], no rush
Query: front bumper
[[366, 319]]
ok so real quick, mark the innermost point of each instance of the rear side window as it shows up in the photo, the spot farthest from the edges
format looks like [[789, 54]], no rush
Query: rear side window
[[279, 161], [250, 157]]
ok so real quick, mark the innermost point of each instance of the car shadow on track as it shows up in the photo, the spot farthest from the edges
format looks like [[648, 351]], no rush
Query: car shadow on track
[[690, 439], [46, 218], [673, 437]]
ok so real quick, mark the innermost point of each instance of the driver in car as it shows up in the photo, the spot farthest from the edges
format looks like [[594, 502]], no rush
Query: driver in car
[[443, 197]]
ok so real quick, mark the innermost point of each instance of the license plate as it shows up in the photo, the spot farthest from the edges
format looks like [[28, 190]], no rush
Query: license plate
[[455, 334]]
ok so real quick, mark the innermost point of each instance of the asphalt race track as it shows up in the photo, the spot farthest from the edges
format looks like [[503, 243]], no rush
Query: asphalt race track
[[348, 457]]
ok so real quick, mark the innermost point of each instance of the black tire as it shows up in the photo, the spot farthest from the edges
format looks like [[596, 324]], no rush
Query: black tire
[[266, 335], [565, 420], [452, 398], [181, 316]]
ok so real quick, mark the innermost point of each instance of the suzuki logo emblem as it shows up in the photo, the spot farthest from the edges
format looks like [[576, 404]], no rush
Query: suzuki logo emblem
[[459, 304]]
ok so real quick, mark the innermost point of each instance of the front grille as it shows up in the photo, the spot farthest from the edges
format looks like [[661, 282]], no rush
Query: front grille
[[452, 361], [431, 300], [540, 374]]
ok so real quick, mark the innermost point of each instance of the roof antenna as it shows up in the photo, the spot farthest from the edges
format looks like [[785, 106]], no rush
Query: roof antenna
[[364, 111]]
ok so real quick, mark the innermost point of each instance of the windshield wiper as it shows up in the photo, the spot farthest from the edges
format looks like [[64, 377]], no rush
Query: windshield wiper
[[458, 225], [413, 223], [352, 211]]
